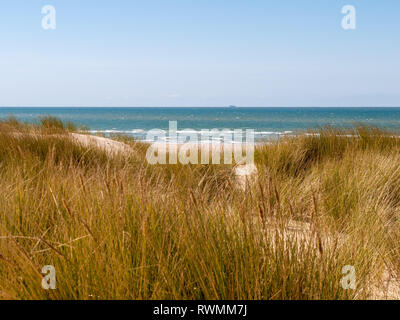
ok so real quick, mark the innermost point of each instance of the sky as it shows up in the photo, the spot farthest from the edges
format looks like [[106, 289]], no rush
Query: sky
[[199, 53]]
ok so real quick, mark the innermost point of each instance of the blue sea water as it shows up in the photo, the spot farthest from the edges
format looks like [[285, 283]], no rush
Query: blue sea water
[[265, 121]]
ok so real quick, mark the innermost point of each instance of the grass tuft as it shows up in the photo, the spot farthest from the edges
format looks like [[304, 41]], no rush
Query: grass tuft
[[118, 228]]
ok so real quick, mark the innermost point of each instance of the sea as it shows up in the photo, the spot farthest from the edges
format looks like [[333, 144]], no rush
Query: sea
[[267, 123]]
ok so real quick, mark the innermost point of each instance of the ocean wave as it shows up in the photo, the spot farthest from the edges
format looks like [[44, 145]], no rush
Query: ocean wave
[[134, 131], [180, 132]]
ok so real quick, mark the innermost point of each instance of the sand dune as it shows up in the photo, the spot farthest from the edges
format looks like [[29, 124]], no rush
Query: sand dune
[[110, 146]]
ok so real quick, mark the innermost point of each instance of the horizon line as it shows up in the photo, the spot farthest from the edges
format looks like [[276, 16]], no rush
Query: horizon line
[[228, 107]]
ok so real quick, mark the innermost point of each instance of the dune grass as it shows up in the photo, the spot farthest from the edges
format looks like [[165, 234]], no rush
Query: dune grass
[[118, 228]]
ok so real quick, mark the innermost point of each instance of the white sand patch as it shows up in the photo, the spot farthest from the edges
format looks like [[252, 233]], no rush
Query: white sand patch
[[388, 288], [246, 175], [110, 146]]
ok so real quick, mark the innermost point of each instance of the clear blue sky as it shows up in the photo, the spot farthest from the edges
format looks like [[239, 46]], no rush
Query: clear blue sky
[[200, 53]]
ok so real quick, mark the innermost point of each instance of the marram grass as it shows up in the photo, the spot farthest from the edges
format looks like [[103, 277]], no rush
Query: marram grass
[[118, 228]]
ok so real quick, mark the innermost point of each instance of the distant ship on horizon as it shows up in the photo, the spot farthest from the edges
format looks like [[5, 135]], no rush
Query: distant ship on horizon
[[232, 106]]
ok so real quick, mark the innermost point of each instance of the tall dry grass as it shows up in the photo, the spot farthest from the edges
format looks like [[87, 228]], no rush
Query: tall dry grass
[[118, 228]]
